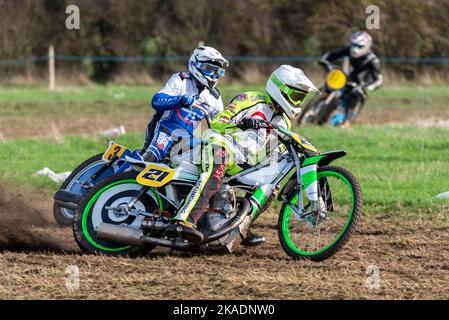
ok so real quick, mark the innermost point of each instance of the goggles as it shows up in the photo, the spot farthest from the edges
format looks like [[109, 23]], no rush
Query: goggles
[[294, 95], [358, 46], [209, 70]]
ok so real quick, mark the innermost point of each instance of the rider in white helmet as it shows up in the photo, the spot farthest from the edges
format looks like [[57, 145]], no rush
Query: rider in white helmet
[[364, 71], [238, 141], [174, 117]]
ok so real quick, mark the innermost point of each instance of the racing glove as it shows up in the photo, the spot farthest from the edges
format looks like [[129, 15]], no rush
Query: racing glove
[[359, 90], [249, 123], [188, 101]]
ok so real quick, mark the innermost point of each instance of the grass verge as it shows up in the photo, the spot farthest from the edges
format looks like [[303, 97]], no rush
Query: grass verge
[[401, 169]]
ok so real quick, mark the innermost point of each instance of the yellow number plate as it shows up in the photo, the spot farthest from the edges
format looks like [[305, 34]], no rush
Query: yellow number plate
[[114, 149], [336, 79], [304, 143], [155, 175]]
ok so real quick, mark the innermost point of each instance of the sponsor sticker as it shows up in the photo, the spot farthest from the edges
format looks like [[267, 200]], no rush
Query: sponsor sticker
[[162, 141], [241, 97]]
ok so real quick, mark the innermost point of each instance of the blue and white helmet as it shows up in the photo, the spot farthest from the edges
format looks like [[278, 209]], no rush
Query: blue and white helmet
[[361, 43], [207, 65]]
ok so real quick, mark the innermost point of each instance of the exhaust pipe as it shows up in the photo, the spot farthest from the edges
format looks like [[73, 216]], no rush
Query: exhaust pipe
[[126, 235], [120, 234], [134, 237]]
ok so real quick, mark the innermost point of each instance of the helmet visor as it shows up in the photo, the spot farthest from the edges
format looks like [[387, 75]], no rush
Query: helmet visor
[[296, 96], [357, 45], [210, 70]]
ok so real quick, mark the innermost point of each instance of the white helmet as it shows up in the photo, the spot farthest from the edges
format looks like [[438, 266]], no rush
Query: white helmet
[[290, 89], [361, 43], [207, 65]]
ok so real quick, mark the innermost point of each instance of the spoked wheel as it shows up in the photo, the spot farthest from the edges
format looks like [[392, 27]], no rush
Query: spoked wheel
[[318, 235], [96, 208]]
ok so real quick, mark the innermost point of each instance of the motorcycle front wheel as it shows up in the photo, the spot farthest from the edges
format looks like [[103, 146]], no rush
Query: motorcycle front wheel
[[83, 172], [317, 236]]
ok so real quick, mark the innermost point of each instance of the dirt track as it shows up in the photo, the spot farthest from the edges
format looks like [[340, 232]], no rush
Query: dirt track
[[413, 258], [411, 254], [13, 128]]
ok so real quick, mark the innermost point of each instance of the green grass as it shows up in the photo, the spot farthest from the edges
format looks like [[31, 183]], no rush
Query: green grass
[[21, 158], [401, 169]]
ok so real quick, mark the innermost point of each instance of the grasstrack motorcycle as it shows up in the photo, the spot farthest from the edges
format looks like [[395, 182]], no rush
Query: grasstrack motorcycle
[[86, 175], [128, 213], [93, 170], [321, 110]]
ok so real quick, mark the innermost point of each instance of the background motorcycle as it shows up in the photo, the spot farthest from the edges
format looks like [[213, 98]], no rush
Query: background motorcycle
[[324, 106], [128, 213]]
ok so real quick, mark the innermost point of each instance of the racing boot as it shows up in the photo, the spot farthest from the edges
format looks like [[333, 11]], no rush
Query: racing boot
[[346, 124], [252, 239], [185, 230]]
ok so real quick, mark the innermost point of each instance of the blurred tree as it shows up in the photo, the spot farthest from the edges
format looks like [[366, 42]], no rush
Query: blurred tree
[[411, 28]]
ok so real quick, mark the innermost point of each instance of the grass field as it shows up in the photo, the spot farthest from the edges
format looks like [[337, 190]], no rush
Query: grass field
[[401, 167]]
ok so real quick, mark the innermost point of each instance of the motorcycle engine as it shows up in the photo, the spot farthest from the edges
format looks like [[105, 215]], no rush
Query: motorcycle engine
[[222, 208]]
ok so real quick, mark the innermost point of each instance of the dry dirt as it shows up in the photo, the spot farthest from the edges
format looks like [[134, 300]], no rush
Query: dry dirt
[[14, 128], [20, 127], [411, 254]]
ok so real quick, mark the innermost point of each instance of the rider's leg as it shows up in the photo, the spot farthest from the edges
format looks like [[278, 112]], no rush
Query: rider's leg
[[215, 160], [353, 99], [158, 142], [340, 116]]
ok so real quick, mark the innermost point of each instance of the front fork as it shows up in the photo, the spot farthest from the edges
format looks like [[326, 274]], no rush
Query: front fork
[[104, 168], [89, 183], [307, 178]]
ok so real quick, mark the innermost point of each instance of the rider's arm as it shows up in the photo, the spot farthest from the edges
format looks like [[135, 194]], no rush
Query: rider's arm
[[170, 96], [377, 78], [215, 109], [222, 122], [335, 55]]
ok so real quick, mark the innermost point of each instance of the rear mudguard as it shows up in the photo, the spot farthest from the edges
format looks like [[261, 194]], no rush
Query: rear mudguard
[[319, 160]]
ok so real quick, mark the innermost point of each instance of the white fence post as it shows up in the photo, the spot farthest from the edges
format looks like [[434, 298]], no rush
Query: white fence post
[[51, 68]]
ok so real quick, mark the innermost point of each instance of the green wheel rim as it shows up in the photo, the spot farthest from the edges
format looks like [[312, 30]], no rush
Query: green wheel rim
[[287, 214], [89, 206]]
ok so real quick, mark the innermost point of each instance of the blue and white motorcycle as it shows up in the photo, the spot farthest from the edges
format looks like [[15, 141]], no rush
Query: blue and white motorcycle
[[102, 165]]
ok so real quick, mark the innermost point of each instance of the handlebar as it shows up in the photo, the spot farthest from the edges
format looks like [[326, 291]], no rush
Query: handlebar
[[327, 65]]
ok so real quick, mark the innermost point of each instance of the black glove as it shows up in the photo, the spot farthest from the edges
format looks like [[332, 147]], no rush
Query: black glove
[[249, 123], [359, 90]]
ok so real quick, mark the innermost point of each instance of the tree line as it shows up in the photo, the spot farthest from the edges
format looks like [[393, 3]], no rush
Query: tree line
[[411, 28]]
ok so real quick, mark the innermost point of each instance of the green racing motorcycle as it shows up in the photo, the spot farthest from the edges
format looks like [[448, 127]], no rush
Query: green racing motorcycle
[[128, 213]]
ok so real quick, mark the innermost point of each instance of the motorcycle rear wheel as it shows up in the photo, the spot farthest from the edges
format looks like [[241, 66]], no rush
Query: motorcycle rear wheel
[[112, 191]]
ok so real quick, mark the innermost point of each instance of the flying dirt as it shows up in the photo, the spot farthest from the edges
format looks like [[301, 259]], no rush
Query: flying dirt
[[23, 222]]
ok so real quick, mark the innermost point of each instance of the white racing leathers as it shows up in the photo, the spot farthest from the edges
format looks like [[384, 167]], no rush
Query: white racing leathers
[[176, 116]]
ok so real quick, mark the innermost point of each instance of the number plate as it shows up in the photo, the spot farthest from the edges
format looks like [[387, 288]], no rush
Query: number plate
[[114, 149], [155, 175], [336, 79]]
